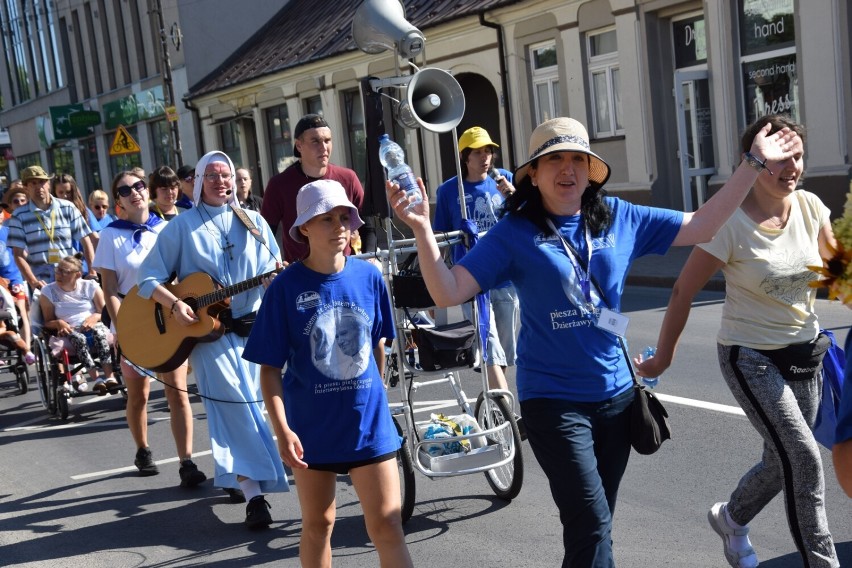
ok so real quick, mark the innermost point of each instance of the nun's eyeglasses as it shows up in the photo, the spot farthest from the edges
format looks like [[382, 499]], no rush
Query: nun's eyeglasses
[[217, 177]]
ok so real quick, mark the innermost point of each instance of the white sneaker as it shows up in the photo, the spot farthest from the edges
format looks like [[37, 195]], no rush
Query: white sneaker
[[744, 558], [82, 386]]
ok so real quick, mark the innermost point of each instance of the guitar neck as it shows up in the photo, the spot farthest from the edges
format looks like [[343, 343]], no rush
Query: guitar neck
[[223, 294]]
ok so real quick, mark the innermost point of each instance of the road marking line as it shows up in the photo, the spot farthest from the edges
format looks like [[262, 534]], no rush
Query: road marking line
[[724, 408], [422, 406], [106, 472]]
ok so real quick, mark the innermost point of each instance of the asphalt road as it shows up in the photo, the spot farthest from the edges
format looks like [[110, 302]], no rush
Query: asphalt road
[[71, 497]]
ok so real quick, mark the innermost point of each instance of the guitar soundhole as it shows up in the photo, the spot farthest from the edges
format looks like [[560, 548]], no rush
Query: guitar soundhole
[[191, 303]]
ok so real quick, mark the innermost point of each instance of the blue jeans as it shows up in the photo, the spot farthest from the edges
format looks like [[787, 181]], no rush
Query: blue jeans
[[583, 449]]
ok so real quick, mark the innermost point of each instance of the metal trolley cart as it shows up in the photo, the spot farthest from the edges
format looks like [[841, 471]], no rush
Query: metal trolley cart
[[492, 447]]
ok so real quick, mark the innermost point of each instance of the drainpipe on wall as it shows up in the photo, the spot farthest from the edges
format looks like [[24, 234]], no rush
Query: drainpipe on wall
[[196, 122], [504, 82]]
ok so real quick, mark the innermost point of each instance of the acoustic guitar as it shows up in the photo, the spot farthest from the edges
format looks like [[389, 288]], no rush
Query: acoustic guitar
[[149, 335]]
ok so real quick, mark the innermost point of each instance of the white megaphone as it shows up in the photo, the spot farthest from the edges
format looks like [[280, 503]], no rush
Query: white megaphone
[[434, 100], [380, 25]]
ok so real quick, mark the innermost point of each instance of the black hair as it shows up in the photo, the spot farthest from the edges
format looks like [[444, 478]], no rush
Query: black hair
[[526, 202], [465, 154], [163, 176]]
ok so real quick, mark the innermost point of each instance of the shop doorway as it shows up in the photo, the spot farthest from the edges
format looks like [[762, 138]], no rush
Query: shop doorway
[[695, 135]]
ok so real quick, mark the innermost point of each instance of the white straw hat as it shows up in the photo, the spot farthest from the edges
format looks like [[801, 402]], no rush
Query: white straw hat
[[563, 134], [318, 197]]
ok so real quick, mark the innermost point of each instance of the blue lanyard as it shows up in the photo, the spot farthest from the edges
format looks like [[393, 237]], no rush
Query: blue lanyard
[[583, 296]]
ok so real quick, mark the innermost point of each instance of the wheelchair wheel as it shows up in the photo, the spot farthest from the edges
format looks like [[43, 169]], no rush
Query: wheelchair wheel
[[63, 402], [406, 476], [45, 391], [23, 377], [506, 480]]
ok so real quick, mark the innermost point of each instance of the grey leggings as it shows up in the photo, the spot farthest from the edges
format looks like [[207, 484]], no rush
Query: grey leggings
[[782, 412], [100, 345]]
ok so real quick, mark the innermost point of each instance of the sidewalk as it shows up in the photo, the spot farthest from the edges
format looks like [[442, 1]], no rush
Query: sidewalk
[[662, 271]]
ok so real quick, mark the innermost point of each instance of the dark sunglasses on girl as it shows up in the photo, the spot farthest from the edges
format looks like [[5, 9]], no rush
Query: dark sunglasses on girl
[[126, 190]]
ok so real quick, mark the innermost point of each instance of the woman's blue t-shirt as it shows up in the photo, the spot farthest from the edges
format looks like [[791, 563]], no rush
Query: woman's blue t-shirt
[[561, 353]]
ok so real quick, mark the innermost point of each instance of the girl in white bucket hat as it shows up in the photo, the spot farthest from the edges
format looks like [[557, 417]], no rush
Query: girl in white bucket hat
[[324, 319], [567, 248]]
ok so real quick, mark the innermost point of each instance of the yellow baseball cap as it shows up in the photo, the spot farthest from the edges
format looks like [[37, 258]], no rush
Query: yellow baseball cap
[[475, 137]]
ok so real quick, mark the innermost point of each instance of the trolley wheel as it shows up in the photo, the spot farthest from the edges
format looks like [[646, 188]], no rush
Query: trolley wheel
[[62, 403], [407, 486], [23, 378], [506, 480]]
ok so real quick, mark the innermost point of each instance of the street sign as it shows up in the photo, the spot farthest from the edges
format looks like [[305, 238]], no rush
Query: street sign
[[84, 118], [172, 114], [123, 143], [63, 128]]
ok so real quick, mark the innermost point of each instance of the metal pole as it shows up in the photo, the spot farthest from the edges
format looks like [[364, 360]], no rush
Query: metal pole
[[175, 151]]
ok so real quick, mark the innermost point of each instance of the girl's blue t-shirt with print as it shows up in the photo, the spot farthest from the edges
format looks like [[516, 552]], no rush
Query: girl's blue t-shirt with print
[[562, 353], [322, 328]]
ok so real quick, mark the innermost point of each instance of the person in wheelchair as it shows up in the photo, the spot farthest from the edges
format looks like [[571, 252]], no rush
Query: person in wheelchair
[[9, 317], [71, 308]]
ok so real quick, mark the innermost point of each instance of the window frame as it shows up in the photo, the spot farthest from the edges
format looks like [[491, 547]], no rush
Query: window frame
[[607, 64], [548, 76]]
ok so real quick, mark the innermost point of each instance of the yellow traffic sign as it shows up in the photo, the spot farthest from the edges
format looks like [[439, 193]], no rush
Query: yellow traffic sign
[[123, 143]]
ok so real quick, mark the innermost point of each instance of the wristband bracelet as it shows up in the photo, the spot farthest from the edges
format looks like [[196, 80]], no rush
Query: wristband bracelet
[[756, 163], [175, 303]]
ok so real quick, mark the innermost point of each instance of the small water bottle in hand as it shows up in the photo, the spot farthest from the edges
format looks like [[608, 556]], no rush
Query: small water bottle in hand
[[392, 157], [648, 353]]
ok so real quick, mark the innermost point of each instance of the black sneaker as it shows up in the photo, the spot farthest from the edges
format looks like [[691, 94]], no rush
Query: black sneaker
[[235, 495], [189, 474], [257, 513], [145, 462]]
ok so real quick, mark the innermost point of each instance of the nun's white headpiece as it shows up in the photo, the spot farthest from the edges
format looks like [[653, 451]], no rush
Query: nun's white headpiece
[[206, 160]]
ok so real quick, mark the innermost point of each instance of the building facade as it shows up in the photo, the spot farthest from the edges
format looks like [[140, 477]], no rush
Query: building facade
[[664, 86]]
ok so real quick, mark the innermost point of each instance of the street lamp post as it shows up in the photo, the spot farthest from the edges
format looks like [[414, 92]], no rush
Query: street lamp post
[[175, 151]]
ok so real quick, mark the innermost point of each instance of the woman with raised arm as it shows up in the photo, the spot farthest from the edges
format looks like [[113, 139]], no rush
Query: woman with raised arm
[[770, 348], [567, 248]]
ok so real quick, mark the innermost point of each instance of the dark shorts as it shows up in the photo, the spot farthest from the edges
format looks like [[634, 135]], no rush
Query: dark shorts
[[342, 468]]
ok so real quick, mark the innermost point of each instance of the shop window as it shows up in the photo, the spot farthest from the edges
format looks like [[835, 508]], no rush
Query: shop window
[[768, 58], [356, 147], [280, 140], [161, 142], [229, 134]]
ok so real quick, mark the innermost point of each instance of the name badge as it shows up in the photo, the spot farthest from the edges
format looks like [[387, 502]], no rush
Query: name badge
[[613, 322], [53, 256]]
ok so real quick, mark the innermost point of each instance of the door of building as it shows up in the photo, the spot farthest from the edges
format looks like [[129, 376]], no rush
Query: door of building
[[695, 135]]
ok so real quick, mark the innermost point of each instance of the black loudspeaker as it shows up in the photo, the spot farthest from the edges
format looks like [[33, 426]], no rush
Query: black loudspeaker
[[375, 200]]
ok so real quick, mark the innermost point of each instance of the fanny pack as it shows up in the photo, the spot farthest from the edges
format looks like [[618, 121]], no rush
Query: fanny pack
[[799, 361], [241, 325]]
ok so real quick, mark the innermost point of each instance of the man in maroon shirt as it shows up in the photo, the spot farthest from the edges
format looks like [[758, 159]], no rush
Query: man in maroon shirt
[[313, 148]]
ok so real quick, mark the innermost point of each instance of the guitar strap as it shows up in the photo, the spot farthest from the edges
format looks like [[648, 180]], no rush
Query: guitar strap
[[249, 224]]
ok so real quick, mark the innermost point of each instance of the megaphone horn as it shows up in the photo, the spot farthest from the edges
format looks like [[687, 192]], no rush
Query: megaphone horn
[[434, 100], [380, 25]]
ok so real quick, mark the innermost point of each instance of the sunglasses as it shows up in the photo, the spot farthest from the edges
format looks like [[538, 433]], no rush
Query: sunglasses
[[189, 179], [101, 207], [19, 201], [126, 190], [66, 271]]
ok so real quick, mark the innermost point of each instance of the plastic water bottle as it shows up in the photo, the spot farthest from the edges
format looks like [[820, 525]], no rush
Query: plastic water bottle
[[392, 157], [648, 353]]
